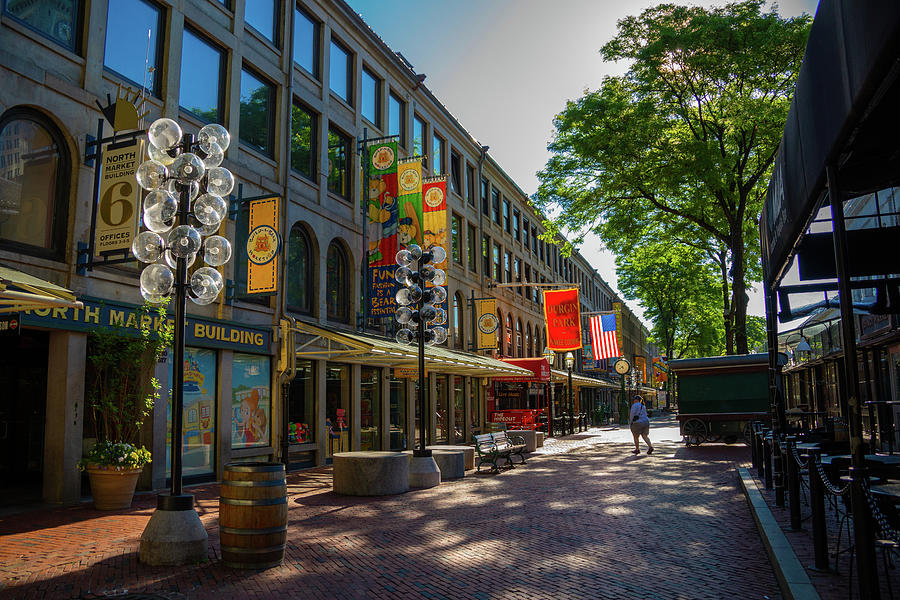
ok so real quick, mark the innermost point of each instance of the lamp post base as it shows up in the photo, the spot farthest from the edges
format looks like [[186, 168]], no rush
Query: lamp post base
[[174, 535], [423, 472]]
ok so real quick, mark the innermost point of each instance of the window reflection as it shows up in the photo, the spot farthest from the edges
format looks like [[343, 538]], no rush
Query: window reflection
[[337, 284], [303, 141], [371, 98], [299, 271], [397, 118], [260, 15], [200, 90], [57, 20], [306, 42], [339, 74], [256, 113], [132, 39], [338, 163]]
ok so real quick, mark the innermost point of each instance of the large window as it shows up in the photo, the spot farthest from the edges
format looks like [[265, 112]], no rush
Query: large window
[[486, 255], [299, 271], [418, 143], [34, 171], [262, 16], [302, 405], [398, 414], [200, 411], [518, 274], [516, 225], [495, 204], [257, 114], [470, 184], [397, 118], [497, 276], [126, 22], [485, 197], [506, 220], [507, 266], [202, 77], [251, 401], [520, 350], [370, 97], [341, 72], [456, 238], [509, 334], [338, 163], [338, 417], [437, 153], [472, 248], [304, 140], [306, 42], [455, 172], [529, 348], [526, 227], [59, 22], [337, 293], [370, 409], [457, 324]]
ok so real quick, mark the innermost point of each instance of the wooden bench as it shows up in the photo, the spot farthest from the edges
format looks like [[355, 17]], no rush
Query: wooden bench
[[492, 446]]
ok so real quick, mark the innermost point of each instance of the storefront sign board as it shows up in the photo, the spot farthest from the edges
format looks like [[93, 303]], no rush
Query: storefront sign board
[[118, 210], [563, 318]]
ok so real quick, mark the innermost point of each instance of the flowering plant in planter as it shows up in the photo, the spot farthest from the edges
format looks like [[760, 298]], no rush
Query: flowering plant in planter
[[116, 455]]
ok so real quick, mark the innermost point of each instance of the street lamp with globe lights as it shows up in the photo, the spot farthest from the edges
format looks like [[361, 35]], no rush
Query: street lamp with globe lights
[[184, 204], [570, 362], [549, 355]]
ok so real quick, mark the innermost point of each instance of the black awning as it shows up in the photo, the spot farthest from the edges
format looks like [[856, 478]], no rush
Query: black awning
[[843, 112]]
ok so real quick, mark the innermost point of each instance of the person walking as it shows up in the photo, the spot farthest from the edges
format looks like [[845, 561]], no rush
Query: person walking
[[640, 424]]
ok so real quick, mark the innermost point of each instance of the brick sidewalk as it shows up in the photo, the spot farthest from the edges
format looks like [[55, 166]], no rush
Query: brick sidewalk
[[591, 522]]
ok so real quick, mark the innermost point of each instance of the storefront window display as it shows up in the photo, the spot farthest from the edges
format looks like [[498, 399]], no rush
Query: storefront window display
[[302, 405], [370, 409], [337, 409], [251, 401], [398, 414], [199, 420], [475, 404], [459, 409], [442, 400]]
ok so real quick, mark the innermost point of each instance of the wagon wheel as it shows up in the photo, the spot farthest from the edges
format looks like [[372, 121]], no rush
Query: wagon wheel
[[694, 432]]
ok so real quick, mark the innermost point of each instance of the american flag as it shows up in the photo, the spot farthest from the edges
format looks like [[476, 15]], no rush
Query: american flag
[[603, 337]]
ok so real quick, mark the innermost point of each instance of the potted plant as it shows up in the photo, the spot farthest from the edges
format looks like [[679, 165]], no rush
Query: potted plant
[[120, 393]]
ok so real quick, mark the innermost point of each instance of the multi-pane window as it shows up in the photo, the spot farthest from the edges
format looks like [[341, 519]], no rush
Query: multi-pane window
[[528, 279], [470, 184], [455, 172], [306, 42], [518, 266], [458, 303], [486, 255], [418, 142], [337, 284], [519, 348], [262, 16], [497, 275], [437, 153], [495, 204], [202, 69], [257, 116], [304, 138], [472, 248], [516, 224], [340, 74], [456, 238], [506, 220], [507, 266], [485, 197], [370, 97], [59, 22], [526, 227], [534, 240], [338, 162], [541, 249], [299, 271], [130, 21], [397, 118]]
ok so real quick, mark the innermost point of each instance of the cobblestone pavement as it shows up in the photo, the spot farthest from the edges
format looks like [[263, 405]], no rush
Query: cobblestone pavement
[[584, 518]]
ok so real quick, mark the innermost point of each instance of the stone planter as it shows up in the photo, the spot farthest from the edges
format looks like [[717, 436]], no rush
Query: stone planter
[[112, 489]]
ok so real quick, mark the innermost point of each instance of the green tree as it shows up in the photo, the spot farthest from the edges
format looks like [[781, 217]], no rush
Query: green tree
[[685, 139]]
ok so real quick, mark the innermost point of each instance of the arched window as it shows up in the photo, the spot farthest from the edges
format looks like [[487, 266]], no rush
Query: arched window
[[35, 170], [529, 349], [299, 271], [338, 284], [509, 334], [520, 349], [499, 332], [458, 321]]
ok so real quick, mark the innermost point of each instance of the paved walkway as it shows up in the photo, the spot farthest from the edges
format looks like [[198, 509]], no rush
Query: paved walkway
[[582, 519]]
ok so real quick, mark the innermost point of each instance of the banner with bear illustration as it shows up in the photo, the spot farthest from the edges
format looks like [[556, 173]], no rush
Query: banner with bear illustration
[[381, 227], [434, 214]]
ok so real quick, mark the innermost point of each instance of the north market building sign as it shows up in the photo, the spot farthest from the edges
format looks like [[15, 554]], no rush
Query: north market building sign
[[207, 333]]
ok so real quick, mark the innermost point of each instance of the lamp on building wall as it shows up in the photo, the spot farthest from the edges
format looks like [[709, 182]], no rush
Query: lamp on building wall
[[184, 203], [548, 354], [417, 311], [570, 362], [803, 349]]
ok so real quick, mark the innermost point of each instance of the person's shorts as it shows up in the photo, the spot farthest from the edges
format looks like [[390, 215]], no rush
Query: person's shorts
[[640, 428]]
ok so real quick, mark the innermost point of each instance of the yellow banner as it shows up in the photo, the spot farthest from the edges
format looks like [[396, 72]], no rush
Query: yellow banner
[[617, 307], [263, 244], [486, 323], [640, 365], [118, 208], [408, 373]]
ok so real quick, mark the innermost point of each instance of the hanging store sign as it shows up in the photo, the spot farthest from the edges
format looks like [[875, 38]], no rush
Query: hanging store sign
[[563, 317], [486, 323], [117, 204], [381, 228], [263, 245], [434, 213]]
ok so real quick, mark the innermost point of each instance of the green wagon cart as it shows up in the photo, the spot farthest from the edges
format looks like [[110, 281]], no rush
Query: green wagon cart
[[718, 397]]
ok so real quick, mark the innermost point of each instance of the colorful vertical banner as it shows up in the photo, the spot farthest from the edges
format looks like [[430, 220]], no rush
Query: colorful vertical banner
[[263, 242], [434, 216], [409, 202], [660, 369], [118, 205], [250, 401], [382, 219], [640, 367], [563, 316], [617, 309], [486, 323]]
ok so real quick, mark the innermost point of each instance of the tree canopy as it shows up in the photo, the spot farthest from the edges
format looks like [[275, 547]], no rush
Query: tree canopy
[[678, 150]]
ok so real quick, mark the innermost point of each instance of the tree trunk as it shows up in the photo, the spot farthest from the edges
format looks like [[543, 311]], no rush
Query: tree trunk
[[739, 294], [727, 316]]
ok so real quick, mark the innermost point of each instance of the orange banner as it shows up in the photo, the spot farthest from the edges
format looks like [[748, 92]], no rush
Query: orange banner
[[263, 245], [563, 316]]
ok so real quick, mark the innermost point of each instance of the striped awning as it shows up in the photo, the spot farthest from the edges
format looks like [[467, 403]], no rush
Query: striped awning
[[20, 291]]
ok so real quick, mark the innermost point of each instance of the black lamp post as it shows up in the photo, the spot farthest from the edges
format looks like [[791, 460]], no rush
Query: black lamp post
[[570, 362], [548, 354]]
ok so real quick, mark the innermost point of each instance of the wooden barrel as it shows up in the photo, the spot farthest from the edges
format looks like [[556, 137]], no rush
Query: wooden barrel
[[253, 515]]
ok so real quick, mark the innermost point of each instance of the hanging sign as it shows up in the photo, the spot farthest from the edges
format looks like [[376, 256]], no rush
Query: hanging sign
[[409, 202], [117, 209], [381, 228], [263, 244], [486, 323], [563, 317], [617, 309], [434, 213]]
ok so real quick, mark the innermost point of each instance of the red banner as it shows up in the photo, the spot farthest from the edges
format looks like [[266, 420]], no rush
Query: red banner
[[563, 316], [525, 418]]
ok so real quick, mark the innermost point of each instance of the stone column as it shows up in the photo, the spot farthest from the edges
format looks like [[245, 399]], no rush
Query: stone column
[[225, 413], [319, 426], [385, 416], [355, 406], [64, 420]]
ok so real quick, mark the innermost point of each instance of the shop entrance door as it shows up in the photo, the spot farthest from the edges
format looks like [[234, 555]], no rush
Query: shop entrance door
[[23, 403]]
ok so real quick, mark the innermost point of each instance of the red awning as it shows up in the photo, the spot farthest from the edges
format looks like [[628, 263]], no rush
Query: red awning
[[538, 366]]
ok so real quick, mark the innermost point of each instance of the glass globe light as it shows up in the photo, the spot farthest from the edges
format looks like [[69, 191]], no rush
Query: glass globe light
[[403, 258], [206, 283], [187, 167], [216, 251], [402, 297], [438, 294], [405, 336], [415, 293], [164, 133], [440, 277], [173, 262], [204, 229], [438, 254], [161, 203], [183, 241], [156, 282], [214, 155], [210, 209], [214, 134], [403, 315], [154, 222], [440, 318], [219, 181], [440, 335], [427, 313], [148, 246], [151, 175], [426, 272], [429, 337], [160, 156], [175, 188], [415, 251], [404, 276]]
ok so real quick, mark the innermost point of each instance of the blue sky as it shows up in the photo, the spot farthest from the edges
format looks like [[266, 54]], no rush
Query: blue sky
[[505, 68]]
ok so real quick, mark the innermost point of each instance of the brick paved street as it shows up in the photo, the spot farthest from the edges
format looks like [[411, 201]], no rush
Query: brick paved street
[[585, 519]]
